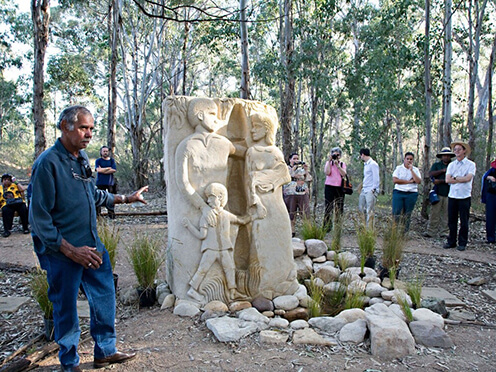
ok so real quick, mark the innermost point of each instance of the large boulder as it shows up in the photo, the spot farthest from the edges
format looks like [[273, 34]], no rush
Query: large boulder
[[304, 268], [428, 334], [328, 273], [327, 324], [298, 248], [374, 289], [286, 302], [227, 329], [389, 335], [353, 332], [351, 315], [428, 316]]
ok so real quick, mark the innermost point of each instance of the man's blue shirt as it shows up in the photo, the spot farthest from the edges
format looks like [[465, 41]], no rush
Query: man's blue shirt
[[63, 205], [105, 179]]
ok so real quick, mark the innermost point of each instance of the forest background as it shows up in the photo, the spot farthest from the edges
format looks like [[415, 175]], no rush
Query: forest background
[[392, 75]]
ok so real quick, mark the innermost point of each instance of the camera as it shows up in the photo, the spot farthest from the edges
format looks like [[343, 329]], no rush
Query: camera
[[334, 156], [300, 163]]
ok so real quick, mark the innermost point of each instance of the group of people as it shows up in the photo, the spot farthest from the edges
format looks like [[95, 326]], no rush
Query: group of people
[[452, 182]]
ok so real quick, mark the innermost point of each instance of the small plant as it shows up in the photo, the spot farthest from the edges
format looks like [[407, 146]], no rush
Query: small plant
[[342, 261], [146, 258], [414, 290], [39, 289], [316, 295], [110, 236], [337, 231], [392, 251], [367, 238], [334, 300], [310, 229], [400, 297], [353, 300]]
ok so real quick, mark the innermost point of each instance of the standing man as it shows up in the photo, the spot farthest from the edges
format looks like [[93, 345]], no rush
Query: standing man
[[63, 219], [460, 176], [105, 168], [438, 218], [370, 186]]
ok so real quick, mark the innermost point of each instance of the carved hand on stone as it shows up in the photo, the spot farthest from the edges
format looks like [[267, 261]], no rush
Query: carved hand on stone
[[210, 216]]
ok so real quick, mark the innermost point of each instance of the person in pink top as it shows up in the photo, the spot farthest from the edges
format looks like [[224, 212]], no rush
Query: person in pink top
[[335, 170]]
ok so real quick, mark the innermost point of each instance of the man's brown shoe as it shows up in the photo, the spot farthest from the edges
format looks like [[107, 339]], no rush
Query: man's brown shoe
[[116, 358]]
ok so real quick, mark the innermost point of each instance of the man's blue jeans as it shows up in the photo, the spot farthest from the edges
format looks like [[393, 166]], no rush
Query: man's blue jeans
[[64, 278], [491, 217], [403, 205]]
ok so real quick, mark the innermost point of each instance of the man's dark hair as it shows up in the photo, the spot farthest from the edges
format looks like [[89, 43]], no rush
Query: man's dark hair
[[292, 154], [6, 175], [104, 147], [365, 152], [71, 114], [409, 153]]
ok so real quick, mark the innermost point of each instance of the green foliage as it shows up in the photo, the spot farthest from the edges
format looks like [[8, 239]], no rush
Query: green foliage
[[110, 235], [354, 300], [317, 297], [145, 256], [393, 245], [366, 238], [334, 300], [404, 307], [337, 232], [414, 290], [39, 289], [311, 229]]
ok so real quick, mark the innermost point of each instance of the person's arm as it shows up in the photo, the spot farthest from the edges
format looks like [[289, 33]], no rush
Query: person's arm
[[416, 175], [327, 168], [200, 233], [341, 168], [107, 170]]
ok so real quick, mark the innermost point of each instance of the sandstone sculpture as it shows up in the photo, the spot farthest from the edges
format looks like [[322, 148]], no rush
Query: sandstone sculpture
[[228, 142]]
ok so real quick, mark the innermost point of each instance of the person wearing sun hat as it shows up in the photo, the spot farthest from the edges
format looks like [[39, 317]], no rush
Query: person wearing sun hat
[[460, 176], [438, 218], [488, 197]]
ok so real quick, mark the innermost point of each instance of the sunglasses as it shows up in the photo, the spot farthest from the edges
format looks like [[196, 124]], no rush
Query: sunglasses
[[87, 172]]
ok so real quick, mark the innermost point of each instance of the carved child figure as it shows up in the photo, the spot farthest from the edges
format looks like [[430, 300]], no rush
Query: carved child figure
[[216, 241]]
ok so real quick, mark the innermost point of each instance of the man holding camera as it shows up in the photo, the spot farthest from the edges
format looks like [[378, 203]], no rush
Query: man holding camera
[[335, 171], [438, 218]]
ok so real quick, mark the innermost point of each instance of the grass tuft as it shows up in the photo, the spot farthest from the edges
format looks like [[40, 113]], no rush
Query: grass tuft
[[146, 258]]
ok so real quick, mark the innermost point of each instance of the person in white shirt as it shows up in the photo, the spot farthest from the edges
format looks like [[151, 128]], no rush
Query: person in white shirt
[[370, 185], [406, 178], [460, 176]]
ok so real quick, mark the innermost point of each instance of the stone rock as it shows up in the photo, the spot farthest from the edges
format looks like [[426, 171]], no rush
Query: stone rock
[[253, 315], [309, 337], [328, 324], [347, 277], [318, 282], [299, 324], [128, 295], [238, 306], [428, 334], [304, 267], [279, 312], [387, 295], [398, 284], [349, 259], [163, 291], [330, 255], [374, 289], [477, 281], [186, 309], [376, 300], [351, 315], [216, 306], [304, 302], [427, 315], [435, 304], [315, 247], [318, 260], [369, 279], [369, 273], [317, 266], [328, 273], [357, 286], [302, 292], [298, 249], [399, 293], [168, 301], [334, 287], [210, 314], [462, 316], [279, 323], [398, 311], [227, 329], [268, 314], [287, 302], [442, 294], [353, 332], [298, 313], [263, 304], [273, 337], [389, 336]]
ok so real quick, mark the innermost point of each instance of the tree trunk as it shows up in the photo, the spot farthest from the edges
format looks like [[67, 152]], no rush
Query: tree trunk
[[489, 149], [245, 63], [428, 104], [445, 130], [313, 128], [287, 97], [40, 13], [185, 49], [113, 29]]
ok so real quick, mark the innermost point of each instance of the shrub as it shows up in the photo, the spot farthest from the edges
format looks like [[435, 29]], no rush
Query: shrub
[[39, 289], [110, 236], [146, 258], [311, 229]]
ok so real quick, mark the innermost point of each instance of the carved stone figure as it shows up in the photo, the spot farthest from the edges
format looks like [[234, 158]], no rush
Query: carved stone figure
[[205, 143]]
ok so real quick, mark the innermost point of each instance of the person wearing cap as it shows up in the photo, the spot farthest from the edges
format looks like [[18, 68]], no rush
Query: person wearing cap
[[460, 176], [11, 201], [488, 197], [62, 214], [335, 170], [438, 217]]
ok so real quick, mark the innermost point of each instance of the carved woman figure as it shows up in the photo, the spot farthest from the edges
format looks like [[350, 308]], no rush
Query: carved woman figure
[[271, 236]]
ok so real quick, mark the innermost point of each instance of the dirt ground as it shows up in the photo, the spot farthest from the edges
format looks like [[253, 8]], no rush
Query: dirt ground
[[166, 342]]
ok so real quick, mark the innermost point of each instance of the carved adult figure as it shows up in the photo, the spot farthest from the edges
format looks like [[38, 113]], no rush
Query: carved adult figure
[[266, 173]]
